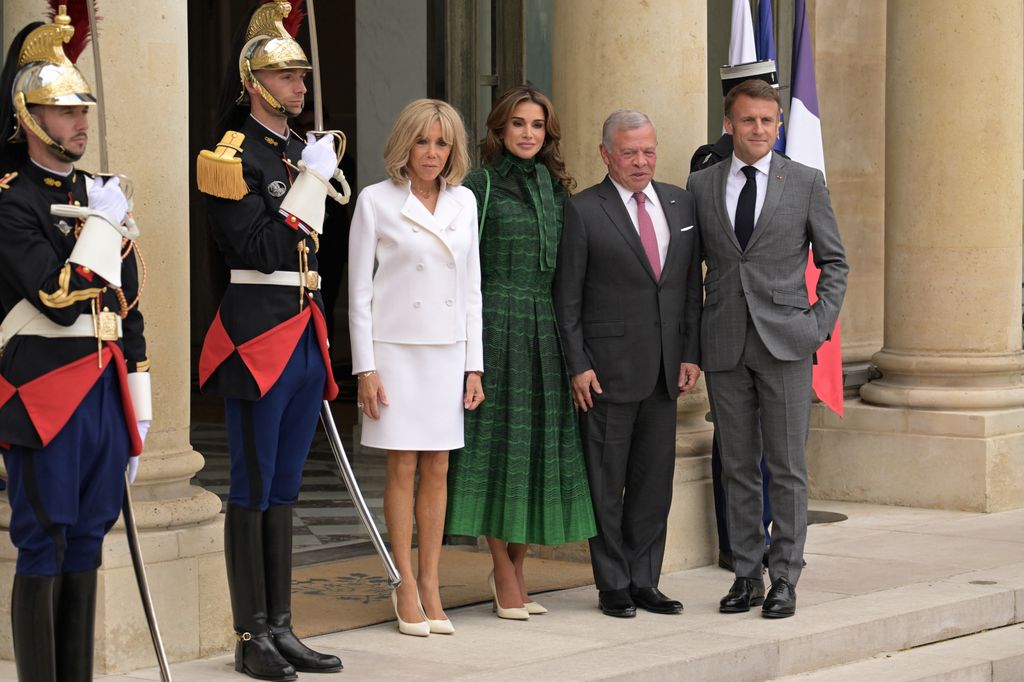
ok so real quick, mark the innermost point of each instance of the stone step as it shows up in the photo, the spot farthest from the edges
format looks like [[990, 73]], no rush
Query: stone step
[[829, 630], [992, 656]]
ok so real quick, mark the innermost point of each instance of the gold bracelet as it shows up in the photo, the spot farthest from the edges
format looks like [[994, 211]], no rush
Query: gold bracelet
[[367, 373]]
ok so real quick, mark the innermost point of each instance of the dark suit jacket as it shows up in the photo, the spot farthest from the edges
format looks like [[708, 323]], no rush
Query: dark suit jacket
[[766, 280], [613, 316]]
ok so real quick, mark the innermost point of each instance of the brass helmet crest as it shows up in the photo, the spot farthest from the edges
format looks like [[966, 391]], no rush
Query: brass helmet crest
[[269, 46], [46, 76]]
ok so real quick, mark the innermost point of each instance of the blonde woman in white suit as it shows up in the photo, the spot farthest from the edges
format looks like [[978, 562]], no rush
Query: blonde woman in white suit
[[415, 325]]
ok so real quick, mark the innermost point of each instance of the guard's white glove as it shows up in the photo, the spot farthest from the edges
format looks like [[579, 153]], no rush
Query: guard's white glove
[[106, 195], [133, 469], [319, 155], [143, 427]]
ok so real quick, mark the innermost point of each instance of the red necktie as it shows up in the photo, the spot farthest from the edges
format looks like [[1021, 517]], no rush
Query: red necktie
[[647, 237]]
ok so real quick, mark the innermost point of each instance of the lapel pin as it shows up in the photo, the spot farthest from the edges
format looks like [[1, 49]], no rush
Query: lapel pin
[[671, 201], [778, 177]]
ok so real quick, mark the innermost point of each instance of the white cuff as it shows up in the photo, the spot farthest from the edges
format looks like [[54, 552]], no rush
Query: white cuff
[[99, 248], [306, 201], [140, 388]]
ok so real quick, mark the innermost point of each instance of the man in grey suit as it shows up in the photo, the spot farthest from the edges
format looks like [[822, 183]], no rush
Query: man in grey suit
[[627, 298], [758, 213]]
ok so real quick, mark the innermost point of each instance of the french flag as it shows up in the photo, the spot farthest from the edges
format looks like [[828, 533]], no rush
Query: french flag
[[765, 41], [803, 144], [741, 37]]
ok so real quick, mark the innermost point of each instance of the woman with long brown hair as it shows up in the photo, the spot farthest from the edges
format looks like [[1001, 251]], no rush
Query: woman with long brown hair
[[520, 479]]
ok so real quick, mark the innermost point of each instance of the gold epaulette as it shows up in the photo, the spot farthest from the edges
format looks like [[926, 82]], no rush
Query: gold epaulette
[[5, 180], [219, 173]]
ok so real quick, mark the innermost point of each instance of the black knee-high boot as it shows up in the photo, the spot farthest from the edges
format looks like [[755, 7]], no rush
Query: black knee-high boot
[[277, 551], [75, 625], [32, 623], [255, 653]]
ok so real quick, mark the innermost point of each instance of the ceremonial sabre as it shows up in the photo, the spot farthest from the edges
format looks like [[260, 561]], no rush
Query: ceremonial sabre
[[101, 107], [347, 475], [131, 531], [318, 110], [135, 548]]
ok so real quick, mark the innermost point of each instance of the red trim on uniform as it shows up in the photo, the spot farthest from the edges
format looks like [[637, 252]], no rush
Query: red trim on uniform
[[217, 346], [6, 391], [320, 326], [126, 399], [266, 355], [50, 399], [84, 272]]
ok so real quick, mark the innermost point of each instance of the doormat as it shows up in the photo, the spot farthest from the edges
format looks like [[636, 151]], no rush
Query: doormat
[[354, 593]]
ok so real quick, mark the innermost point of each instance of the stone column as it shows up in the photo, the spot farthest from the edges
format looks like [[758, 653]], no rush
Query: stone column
[[650, 56], [943, 425], [145, 69], [849, 49]]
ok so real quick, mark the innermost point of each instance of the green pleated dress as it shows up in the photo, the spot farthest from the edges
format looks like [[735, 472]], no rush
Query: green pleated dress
[[521, 476]]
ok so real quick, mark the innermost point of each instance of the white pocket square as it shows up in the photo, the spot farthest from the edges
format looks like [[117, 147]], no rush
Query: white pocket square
[[684, 229]]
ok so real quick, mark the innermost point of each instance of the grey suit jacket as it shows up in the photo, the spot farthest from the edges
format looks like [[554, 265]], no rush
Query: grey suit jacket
[[613, 316], [767, 279]]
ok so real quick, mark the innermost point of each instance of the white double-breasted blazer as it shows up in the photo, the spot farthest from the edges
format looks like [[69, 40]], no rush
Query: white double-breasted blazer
[[413, 276]]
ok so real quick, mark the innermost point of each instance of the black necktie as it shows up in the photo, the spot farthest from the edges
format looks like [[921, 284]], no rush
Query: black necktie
[[745, 208]]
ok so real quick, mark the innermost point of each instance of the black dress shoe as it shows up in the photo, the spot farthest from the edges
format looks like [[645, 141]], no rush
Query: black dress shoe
[[616, 603], [651, 599], [744, 593], [781, 600]]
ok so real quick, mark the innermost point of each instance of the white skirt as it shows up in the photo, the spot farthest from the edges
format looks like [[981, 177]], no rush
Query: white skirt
[[424, 387]]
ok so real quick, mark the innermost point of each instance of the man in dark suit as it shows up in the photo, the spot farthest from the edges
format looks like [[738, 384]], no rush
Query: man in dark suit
[[758, 213], [627, 297]]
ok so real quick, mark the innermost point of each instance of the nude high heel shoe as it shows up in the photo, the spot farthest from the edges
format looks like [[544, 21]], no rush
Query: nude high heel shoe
[[420, 629], [516, 613], [437, 627], [534, 608]]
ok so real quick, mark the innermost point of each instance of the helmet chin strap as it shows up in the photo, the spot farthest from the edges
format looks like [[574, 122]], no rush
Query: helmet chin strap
[[24, 118], [254, 82]]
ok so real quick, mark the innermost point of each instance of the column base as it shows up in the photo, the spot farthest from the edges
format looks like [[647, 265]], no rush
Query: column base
[[692, 539], [188, 582], [947, 382], [969, 460]]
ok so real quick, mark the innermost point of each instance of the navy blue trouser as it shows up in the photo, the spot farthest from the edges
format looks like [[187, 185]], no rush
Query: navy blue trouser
[[66, 496], [269, 438]]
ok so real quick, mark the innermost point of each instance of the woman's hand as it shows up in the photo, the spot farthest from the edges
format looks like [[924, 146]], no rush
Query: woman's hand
[[370, 396], [474, 391]]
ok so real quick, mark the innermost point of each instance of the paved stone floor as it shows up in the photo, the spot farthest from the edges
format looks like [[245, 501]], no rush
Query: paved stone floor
[[881, 593]]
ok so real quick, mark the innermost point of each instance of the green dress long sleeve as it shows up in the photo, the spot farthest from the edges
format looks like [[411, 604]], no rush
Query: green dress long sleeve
[[521, 476]]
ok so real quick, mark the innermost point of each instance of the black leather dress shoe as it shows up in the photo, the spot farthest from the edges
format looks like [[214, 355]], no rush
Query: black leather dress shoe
[[616, 603], [744, 593], [781, 600], [651, 599]]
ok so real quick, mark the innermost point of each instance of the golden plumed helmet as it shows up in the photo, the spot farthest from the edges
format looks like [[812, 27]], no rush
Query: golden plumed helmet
[[270, 47], [46, 76]]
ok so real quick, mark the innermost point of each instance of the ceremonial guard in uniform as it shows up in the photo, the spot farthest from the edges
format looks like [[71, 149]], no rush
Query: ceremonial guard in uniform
[[73, 374], [266, 351]]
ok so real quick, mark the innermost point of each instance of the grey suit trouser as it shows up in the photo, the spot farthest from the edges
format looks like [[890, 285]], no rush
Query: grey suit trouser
[[764, 404], [629, 449]]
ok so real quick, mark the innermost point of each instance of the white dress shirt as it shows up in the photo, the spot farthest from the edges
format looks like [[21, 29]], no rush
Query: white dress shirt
[[653, 210], [736, 179]]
